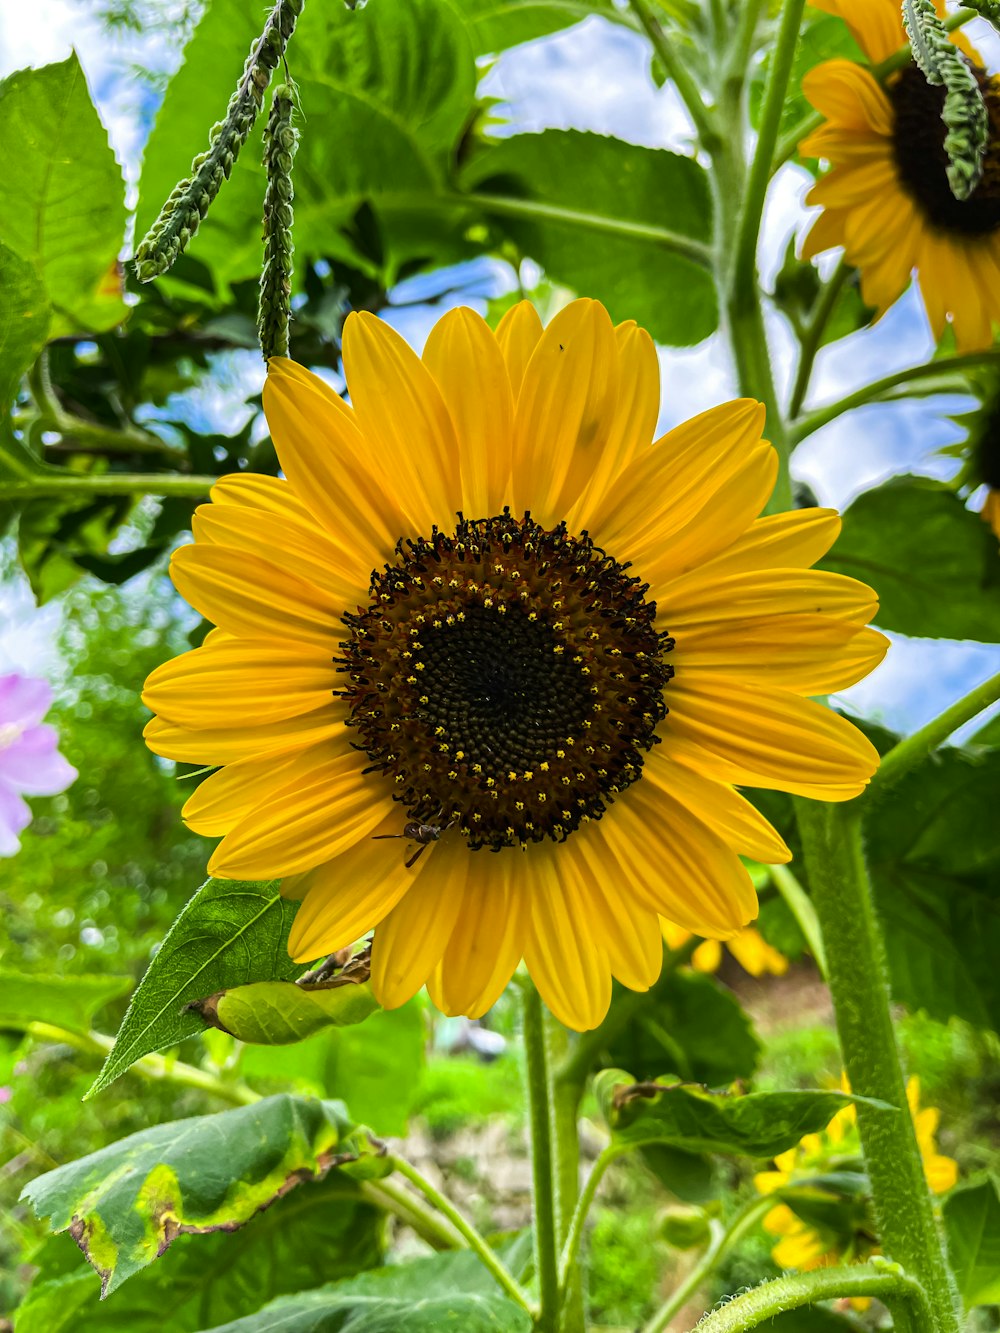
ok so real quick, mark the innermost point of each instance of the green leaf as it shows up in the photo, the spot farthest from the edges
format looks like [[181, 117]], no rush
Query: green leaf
[[756, 1124], [972, 1224], [204, 1280], [448, 1291], [63, 209], [125, 1204], [392, 87], [935, 864], [689, 1025], [229, 934], [24, 321], [66, 1002], [376, 1067], [592, 192], [278, 1013], [933, 562], [497, 25]]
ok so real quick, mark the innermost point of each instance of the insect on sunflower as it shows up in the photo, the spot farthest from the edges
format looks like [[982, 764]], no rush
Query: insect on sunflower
[[482, 601], [887, 199]]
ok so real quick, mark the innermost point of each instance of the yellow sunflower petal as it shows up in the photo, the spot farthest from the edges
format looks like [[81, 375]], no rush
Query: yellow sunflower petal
[[826, 232], [770, 733], [228, 796], [466, 362], [755, 955], [348, 896], [635, 418], [252, 598], [565, 411], [563, 951], [740, 825], [227, 745], [252, 490], [517, 336], [794, 540], [332, 467], [241, 682], [707, 957], [293, 544], [304, 824], [403, 416], [629, 932], [409, 941], [875, 24], [990, 512], [697, 600], [803, 653], [848, 95]]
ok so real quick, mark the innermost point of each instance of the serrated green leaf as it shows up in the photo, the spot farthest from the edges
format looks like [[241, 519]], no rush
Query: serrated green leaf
[[125, 1204], [66, 1002], [933, 562], [63, 209], [972, 1224], [448, 1291], [756, 1124], [24, 322], [231, 933], [202, 1280], [278, 1013], [599, 185]]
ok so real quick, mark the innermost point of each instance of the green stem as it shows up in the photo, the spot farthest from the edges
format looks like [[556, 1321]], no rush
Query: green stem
[[874, 392], [812, 336], [858, 980], [158, 1067], [465, 1229], [800, 905], [574, 1236], [823, 1284], [677, 73], [566, 1097], [411, 1210], [722, 1239], [105, 483], [905, 756], [544, 1202], [789, 143], [506, 206]]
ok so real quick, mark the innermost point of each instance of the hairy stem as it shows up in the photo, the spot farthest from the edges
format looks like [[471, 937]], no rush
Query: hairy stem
[[858, 980], [823, 1284], [54, 482], [536, 1060], [677, 73]]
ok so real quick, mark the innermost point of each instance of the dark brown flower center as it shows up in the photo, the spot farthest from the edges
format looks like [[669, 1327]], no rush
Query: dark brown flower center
[[918, 146], [507, 679]]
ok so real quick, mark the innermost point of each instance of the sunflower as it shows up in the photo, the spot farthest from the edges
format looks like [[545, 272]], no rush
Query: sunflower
[[489, 667], [750, 949], [887, 200]]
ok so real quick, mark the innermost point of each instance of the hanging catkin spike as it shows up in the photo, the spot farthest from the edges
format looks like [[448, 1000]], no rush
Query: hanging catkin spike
[[965, 116], [180, 217], [280, 142]]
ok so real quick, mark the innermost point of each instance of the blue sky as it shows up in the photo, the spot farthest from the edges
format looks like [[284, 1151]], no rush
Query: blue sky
[[593, 77]]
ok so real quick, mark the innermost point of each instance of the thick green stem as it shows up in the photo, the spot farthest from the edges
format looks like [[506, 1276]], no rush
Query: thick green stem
[[905, 756], [566, 1096], [824, 1284], [465, 1229], [858, 980], [536, 1061], [878, 389]]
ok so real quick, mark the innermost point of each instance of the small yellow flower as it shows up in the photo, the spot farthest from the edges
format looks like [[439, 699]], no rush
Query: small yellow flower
[[749, 948], [887, 200], [484, 614]]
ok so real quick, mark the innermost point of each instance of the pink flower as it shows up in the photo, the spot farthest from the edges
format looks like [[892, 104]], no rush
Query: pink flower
[[30, 762]]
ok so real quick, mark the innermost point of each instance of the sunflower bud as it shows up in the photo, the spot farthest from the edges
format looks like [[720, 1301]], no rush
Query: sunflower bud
[[684, 1226]]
